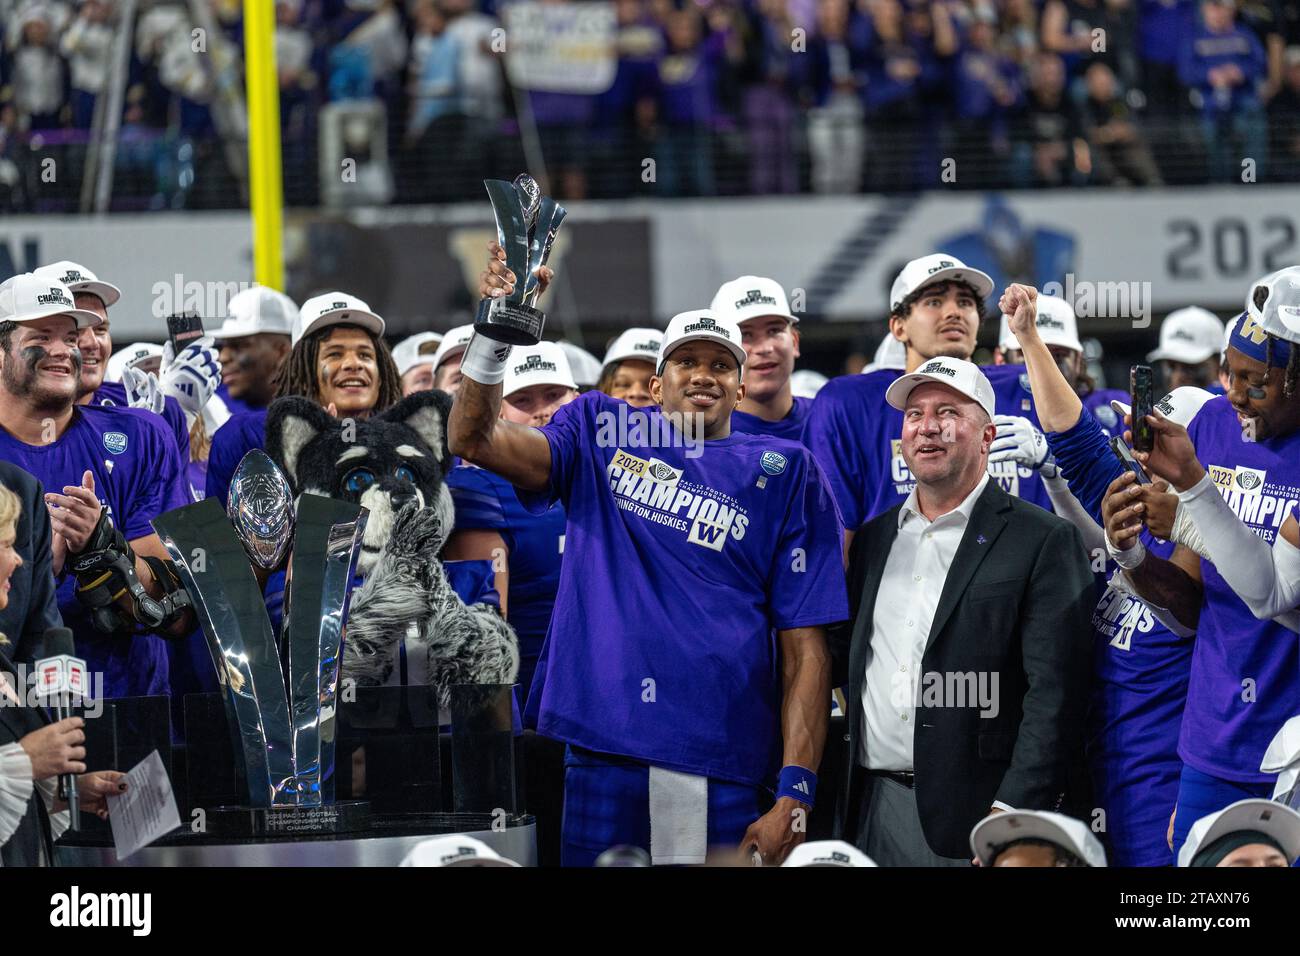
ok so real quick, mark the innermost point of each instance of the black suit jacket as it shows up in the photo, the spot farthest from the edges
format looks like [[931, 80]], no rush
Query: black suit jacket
[[1017, 604], [32, 605]]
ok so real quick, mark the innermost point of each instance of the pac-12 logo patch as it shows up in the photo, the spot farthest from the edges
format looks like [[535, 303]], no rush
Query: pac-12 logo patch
[[115, 442], [773, 462]]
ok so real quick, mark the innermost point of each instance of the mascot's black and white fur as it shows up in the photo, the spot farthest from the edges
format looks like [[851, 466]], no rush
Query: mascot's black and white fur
[[394, 464]]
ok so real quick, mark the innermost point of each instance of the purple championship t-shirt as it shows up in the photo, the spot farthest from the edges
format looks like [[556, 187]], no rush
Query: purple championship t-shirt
[[114, 393], [790, 428], [856, 437], [1245, 680], [681, 564], [138, 476]]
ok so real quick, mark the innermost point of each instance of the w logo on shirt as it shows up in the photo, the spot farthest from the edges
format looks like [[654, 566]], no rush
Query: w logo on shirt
[[712, 536]]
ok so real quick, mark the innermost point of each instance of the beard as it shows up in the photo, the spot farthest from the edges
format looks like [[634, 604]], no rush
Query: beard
[[19, 376]]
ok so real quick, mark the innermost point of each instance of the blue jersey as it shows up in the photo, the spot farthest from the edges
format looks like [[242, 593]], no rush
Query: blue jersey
[[856, 437], [236, 406], [1141, 670], [535, 544], [114, 393], [680, 564], [1245, 672], [138, 476], [233, 440], [1097, 404], [790, 428]]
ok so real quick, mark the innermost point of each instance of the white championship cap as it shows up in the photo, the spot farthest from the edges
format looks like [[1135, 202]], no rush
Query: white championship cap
[[417, 349], [335, 308], [584, 365], [1283, 758], [542, 364], [890, 353], [936, 268], [1189, 335], [1274, 302], [80, 279], [259, 309], [130, 357], [823, 853], [751, 297], [998, 829], [957, 374], [27, 297], [1057, 325], [1179, 406], [454, 850], [1275, 820], [696, 325], [640, 344], [805, 383], [453, 343]]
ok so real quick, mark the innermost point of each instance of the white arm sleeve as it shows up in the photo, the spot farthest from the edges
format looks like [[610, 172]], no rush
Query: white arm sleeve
[[1266, 578], [15, 788], [1067, 506], [1186, 533]]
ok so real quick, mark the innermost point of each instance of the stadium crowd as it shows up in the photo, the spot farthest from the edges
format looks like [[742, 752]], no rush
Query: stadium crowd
[[1046, 654], [734, 96]]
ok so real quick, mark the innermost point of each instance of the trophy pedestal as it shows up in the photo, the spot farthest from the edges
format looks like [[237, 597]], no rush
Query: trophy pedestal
[[511, 322], [343, 817]]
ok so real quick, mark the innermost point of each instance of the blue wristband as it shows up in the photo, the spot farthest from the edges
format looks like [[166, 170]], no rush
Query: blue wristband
[[798, 784]]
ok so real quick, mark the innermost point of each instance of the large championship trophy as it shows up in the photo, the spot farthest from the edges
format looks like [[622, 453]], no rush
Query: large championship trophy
[[527, 223], [281, 700]]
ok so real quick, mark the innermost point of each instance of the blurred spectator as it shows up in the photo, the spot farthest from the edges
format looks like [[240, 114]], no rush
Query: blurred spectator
[[1223, 64], [688, 104], [432, 74], [1284, 119], [1049, 132], [371, 56], [88, 44], [1018, 29], [987, 90], [767, 103], [1163, 26], [900, 65], [38, 75], [479, 78], [1083, 31], [1119, 152], [835, 135], [625, 113]]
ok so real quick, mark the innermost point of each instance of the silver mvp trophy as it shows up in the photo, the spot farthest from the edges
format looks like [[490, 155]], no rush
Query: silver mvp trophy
[[283, 730], [527, 223]]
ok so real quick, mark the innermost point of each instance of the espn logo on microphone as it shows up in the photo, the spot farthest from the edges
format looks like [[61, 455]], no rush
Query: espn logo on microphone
[[61, 674]]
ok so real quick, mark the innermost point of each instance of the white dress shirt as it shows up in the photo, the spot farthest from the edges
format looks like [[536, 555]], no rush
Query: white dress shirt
[[910, 588]]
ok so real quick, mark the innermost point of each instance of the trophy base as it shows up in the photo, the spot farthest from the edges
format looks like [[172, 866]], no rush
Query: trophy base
[[348, 816], [510, 322]]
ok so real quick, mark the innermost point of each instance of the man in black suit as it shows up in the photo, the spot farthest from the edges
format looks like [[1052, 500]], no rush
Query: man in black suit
[[32, 605], [967, 653]]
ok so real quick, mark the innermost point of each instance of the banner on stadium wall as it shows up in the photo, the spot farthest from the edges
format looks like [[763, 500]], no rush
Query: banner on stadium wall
[[1115, 253], [560, 48], [422, 271], [162, 262]]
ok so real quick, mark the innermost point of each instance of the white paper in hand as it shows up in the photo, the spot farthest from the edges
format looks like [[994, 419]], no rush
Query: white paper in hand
[[146, 811]]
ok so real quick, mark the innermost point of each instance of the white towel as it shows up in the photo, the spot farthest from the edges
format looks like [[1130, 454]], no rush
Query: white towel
[[679, 818]]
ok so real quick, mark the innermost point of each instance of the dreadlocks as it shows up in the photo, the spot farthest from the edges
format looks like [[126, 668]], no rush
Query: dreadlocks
[[1291, 376], [300, 374]]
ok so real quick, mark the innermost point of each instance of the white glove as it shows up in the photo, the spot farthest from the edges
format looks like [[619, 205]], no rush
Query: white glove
[[142, 390], [1019, 441], [191, 377]]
